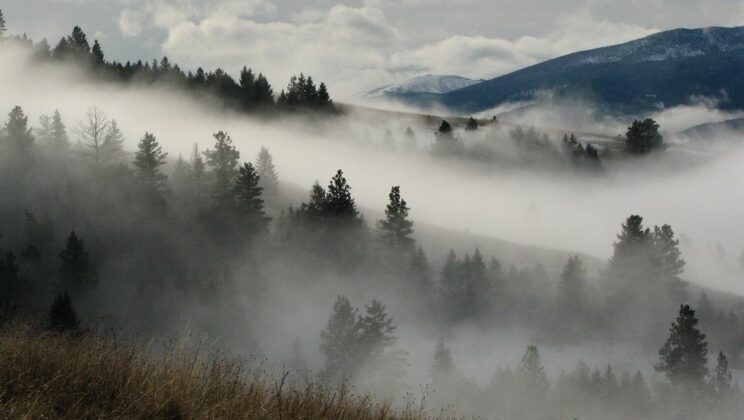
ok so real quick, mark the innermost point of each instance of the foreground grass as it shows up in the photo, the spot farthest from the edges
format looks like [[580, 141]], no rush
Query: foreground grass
[[46, 375]]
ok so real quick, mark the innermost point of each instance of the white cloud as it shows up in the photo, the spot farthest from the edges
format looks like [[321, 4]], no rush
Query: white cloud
[[351, 48], [489, 57], [131, 22]]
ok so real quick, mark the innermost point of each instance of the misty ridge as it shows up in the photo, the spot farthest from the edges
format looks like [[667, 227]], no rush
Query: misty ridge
[[333, 242]]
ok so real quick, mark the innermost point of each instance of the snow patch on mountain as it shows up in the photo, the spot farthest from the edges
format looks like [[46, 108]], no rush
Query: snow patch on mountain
[[427, 84]]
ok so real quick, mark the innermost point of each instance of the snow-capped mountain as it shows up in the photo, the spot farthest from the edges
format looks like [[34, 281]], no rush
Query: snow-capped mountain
[[427, 84], [662, 70]]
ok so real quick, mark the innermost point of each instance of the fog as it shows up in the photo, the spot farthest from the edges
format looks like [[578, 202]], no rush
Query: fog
[[700, 194]]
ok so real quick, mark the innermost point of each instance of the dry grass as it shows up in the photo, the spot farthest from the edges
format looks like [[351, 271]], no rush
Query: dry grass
[[45, 375]]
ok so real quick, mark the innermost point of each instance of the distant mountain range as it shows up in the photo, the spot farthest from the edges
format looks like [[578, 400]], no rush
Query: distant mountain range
[[659, 71], [422, 89]]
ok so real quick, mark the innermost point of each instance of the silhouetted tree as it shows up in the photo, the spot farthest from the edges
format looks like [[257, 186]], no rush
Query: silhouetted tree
[[3, 28], [223, 160], [97, 53], [472, 124], [446, 143], [683, 357], [339, 203], [248, 202], [396, 227], [74, 270], [643, 136], [147, 162], [62, 316]]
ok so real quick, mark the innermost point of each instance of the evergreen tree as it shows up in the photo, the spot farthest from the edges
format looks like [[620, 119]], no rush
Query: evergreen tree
[[18, 139], [62, 316], [683, 357], [472, 124], [531, 372], [339, 203], [264, 94], [97, 53], [376, 331], [643, 136], [248, 202], [721, 379], [446, 143], [147, 162], [267, 172], [74, 271], [247, 87], [223, 160], [3, 28], [59, 132], [339, 340], [669, 257], [396, 227]]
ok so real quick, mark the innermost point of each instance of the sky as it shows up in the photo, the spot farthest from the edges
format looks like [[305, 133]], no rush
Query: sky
[[355, 46]]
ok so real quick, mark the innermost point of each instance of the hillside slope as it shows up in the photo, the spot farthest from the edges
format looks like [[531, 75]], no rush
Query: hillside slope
[[662, 70]]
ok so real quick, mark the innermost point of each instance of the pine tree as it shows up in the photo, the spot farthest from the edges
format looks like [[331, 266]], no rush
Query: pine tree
[[472, 124], [266, 170], [3, 28], [531, 372], [446, 143], [247, 87], [74, 271], [97, 53], [223, 160], [339, 340], [396, 227], [669, 257], [722, 378], [683, 357], [339, 203], [59, 132], [62, 316], [643, 136], [376, 331], [248, 202], [18, 139], [147, 162]]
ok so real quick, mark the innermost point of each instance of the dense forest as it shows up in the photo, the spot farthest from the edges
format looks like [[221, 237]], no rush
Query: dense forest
[[96, 237], [251, 92], [94, 234]]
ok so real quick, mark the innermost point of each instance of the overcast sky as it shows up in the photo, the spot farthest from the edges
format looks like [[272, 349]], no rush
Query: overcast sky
[[358, 45]]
